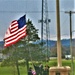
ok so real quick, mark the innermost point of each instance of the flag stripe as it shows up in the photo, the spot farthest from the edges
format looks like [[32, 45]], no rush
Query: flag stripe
[[13, 30]]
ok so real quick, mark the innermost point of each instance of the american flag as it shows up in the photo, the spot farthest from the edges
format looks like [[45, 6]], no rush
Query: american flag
[[15, 32]]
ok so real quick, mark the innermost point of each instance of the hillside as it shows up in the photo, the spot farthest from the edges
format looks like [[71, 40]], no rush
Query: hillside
[[51, 43], [64, 42]]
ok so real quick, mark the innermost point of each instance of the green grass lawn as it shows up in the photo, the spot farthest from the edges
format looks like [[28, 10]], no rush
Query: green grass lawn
[[10, 70]]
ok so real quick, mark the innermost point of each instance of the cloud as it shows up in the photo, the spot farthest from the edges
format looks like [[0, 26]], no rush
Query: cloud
[[13, 9]]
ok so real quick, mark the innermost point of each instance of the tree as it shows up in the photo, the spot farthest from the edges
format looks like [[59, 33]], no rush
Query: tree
[[32, 32], [32, 35]]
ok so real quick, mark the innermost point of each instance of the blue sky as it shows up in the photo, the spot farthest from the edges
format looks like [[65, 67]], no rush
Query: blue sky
[[13, 9]]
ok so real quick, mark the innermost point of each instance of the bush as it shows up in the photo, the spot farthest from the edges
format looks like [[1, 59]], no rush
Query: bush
[[5, 63]]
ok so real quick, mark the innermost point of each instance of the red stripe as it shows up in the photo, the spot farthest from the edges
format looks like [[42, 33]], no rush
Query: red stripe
[[14, 21], [13, 31], [13, 24], [14, 27]]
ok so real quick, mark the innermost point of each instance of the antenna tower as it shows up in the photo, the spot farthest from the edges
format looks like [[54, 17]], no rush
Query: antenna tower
[[45, 29]]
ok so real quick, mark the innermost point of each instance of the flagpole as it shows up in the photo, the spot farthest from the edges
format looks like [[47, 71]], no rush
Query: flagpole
[[59, 70], [58, 34]]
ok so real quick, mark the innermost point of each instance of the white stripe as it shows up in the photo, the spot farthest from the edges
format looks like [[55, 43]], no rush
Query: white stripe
[[14, 29], [16, 25]]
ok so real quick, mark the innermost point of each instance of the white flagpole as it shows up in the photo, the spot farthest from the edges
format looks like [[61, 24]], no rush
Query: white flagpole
[[58, 34]]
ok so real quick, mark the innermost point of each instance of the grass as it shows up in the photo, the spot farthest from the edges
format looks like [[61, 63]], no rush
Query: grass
[[5, 71], [10, 70]]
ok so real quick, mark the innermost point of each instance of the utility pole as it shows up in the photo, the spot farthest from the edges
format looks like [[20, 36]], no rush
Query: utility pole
[[72, 64]]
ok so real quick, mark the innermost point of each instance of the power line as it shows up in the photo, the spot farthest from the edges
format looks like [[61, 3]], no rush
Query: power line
[[26, 11]]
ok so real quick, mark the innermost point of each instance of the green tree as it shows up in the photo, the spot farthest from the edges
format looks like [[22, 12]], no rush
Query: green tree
[[32, 35]]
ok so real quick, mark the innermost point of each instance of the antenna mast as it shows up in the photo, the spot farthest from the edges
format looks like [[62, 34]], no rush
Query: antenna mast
[[45, 24]]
